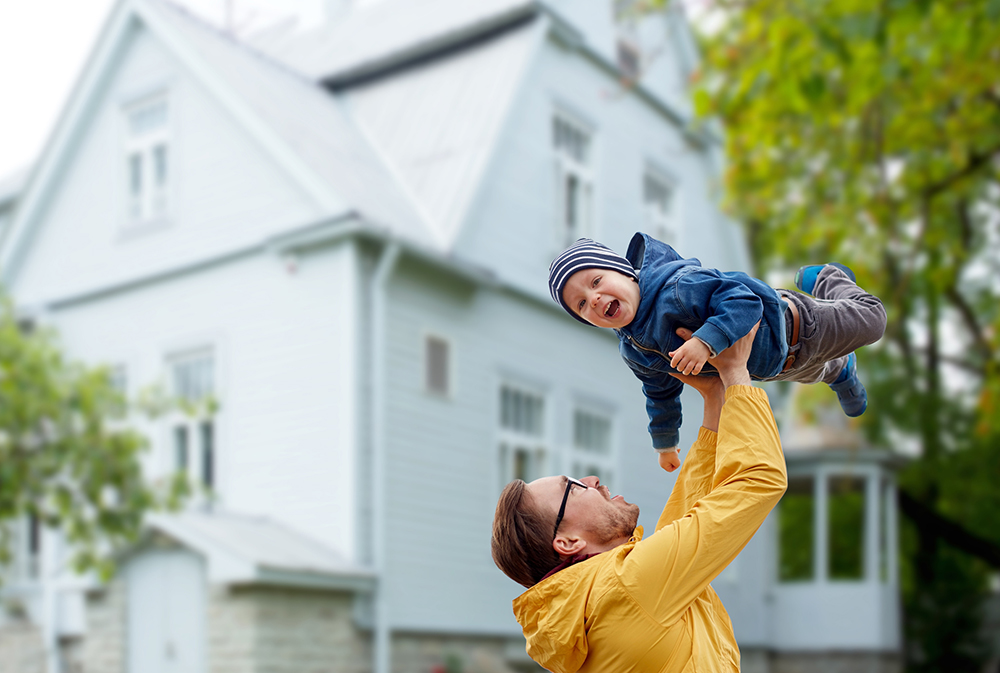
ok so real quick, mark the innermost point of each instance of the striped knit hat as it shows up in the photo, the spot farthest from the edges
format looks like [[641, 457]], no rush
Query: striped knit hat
[[584, 254]]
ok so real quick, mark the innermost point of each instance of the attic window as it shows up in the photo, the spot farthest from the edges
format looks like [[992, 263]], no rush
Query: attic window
[[147, 159], [659, 199], [574, 179]]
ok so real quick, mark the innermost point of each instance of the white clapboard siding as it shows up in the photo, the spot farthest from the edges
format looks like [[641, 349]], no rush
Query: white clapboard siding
[[283, 344], [225, 193]]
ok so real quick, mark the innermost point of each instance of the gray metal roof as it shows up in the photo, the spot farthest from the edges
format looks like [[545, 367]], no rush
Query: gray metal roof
[[375, 35], [310, 121], [436, 124], [245, 548]]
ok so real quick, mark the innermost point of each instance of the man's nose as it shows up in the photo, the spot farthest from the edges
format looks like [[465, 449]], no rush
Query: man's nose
[[591, 481]]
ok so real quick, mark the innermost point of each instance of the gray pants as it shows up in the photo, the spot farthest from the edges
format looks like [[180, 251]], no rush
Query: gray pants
[[836, 321]]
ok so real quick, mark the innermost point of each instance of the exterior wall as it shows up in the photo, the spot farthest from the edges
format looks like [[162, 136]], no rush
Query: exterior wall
[[225, 192], [21, 648], [419, 653], [442, 465], [283, 344], [107, 615]]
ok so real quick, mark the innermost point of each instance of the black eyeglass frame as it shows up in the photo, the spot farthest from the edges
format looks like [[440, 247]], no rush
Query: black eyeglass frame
[[570, 483]]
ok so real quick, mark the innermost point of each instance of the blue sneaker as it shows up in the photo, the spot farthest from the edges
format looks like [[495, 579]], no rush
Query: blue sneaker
[[850, 391], [805, 277]]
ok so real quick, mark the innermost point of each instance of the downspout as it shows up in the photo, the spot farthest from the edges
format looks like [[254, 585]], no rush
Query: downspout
[[382, 650]]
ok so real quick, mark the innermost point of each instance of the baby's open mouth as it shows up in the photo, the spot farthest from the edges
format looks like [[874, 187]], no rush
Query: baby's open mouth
[[612, 310]]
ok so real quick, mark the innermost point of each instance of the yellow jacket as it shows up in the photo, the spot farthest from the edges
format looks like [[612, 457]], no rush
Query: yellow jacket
[[647, 606]]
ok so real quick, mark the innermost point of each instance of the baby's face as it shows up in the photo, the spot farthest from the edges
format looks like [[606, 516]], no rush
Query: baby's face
[[602, 297]]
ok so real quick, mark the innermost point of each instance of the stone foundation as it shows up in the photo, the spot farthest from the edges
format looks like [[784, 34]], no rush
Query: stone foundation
[[21, 648], [836, 662]]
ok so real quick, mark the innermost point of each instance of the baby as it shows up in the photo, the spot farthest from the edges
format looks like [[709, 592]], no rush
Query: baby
[[672, 315]]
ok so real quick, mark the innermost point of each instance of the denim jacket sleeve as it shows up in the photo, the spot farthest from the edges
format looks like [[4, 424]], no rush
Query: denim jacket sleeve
[[663, 404], [727, 307]]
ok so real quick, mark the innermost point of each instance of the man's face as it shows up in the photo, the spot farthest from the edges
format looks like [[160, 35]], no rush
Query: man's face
[[592, 513], [602, 297]]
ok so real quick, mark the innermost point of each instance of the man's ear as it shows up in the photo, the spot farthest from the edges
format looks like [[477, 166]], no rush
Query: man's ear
[[569, 545]]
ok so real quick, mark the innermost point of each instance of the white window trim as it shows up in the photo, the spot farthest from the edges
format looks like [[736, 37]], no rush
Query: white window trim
[[584, 173], [144, 146], [577, 455], [448, 394], [665, 227], [540, 445], [193, 424]]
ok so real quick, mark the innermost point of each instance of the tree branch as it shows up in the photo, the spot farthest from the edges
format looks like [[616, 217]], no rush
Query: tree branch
[[930, 522], [976, 161]]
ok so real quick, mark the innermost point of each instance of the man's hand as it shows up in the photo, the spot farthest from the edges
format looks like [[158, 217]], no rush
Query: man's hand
[[732, 362], [670, 460], [690, 357]]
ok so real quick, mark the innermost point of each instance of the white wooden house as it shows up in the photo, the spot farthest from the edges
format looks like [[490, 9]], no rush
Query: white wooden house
[[343, 236]]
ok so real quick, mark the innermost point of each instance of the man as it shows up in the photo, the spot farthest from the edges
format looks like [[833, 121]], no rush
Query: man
[[600, 597]]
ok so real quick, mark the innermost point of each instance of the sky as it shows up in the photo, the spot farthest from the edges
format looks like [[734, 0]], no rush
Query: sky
[[45, 43]]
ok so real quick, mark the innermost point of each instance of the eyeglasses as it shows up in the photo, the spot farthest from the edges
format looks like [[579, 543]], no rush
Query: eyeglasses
[[570, 483]]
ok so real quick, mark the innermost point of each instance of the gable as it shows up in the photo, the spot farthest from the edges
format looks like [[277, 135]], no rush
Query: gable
[[436, 124], [224, 192]]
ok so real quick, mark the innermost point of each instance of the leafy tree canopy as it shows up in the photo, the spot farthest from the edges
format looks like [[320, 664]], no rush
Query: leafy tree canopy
[[67, 459]]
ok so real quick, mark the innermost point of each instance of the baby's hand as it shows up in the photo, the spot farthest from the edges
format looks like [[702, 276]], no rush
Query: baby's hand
[[691, 357], [670, 460]]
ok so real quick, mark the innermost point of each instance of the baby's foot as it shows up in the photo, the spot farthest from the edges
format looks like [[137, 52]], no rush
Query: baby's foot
[[805, 277], [850, 391]]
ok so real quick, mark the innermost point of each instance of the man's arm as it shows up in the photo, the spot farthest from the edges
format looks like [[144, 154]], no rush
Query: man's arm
[[669, 570]]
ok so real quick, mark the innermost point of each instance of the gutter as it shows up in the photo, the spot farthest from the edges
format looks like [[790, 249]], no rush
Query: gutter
[[382, 655]]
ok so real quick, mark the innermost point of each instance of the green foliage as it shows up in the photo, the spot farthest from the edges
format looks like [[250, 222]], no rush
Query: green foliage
[[797, 531], [67, 457], [869, 133]]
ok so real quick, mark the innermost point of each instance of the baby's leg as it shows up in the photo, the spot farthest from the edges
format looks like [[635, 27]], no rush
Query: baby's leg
[[840, 319]]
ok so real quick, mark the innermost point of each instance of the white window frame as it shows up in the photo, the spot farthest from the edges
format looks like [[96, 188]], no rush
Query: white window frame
[[449, 382], [512, 442], [661, 223], [579, 168], [586, 461], [198, 451], [152, 203]]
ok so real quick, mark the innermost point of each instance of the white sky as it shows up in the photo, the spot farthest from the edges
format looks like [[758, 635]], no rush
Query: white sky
[[45, 43]]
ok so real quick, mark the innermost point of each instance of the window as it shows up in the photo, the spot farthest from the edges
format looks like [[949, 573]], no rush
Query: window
[[846, 522], [147, 159], [522, 435], [658, 196], [592, 449], [796, 530], [192, 429], [574, 180], [627, 17], [436, 366]]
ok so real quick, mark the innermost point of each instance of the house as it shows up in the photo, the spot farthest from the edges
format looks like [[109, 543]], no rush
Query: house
[[343, 237]]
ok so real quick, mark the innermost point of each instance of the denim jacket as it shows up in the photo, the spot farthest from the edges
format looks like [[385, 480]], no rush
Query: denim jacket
[[720, 307]]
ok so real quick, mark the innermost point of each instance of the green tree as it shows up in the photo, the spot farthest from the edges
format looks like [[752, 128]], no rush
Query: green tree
[[868, 132], [67, 459]]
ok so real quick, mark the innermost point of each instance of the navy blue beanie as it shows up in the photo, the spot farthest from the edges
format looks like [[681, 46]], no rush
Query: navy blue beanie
[[584, 254]]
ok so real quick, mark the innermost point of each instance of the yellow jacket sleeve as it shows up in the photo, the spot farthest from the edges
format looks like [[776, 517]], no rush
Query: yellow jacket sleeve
[[694, 480], [667, 572]]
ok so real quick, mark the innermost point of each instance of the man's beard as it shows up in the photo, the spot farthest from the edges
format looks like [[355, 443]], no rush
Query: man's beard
[[620, 524]]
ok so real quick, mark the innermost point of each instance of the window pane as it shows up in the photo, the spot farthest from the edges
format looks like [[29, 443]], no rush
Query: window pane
[[181, 448], [591, 432], [796, 530], [207, 432], [192, 378], [846, 509], [521, 412], [148, 118], [160, 165]]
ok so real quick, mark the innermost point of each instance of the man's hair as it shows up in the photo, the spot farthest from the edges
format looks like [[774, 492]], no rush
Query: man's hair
[[522, 538]]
